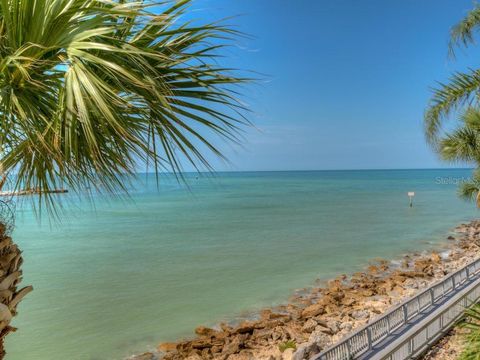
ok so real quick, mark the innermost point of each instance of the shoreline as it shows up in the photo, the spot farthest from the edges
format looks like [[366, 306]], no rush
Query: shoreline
[[316, 317]]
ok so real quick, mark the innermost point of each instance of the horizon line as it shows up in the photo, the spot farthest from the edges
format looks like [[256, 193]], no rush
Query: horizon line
[[306, 170]]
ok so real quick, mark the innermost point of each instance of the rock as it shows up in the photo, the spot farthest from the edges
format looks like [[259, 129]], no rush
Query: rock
[[331, 309], [412, 274], [358, 276], [293, 310], [422, 264], [294, 332], [144, 356], [204, 331], [397, 291], [206, 353], [349, 301], [321, 322], [303, 350], [262, 333], [384, 264], [167, 346], [194, 357], [366, 293], [288, 354], [201, 343], [309, 325], [266, 324], [376, 306], [451, 237], [225, 327], [316, 342], [313, 310], [277, 333], [346, 326], [245, 327], [322, 329], [338, 295], [360, 314], [411, 284], [216, 349], [232, 347], [436, 258], [266, 314], [241, 356], [333, 325]]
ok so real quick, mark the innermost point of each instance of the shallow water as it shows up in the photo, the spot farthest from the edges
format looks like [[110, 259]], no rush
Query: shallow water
[[119, 279]]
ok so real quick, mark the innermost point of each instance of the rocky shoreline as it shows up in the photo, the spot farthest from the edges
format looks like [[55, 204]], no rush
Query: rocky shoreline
[[324, 315]]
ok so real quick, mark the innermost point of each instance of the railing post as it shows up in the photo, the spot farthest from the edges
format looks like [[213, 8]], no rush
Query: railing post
[[453, 282], [432, 297], [405, 314], [467, 272], [369, 337]]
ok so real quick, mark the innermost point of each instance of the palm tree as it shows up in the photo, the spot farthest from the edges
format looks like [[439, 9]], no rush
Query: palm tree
[[461, 93], [90, 89], [463, 88], [463, 145]]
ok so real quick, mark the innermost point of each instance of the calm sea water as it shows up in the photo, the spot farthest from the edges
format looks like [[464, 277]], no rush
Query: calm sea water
[[119, 279]]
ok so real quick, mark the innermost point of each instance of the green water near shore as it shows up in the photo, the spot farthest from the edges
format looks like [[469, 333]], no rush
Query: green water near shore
[[117, 280]]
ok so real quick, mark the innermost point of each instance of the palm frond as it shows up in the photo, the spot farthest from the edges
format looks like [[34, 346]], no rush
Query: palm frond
[[471, 118], [463, 144], [461, 90], [90, 89], [462, 34], [470, 190]]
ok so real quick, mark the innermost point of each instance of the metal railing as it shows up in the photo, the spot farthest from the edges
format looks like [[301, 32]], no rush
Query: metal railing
[[363, 339]]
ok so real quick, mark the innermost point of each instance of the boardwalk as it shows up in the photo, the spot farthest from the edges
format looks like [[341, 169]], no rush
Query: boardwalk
[[410, 328]]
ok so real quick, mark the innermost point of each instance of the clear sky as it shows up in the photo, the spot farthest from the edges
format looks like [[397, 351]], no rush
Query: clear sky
[[346, 81]]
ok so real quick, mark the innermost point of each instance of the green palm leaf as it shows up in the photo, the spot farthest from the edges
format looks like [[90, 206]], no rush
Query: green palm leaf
[[469, 191], [463, 144], [90, 89], [462, 89], [462, 34]]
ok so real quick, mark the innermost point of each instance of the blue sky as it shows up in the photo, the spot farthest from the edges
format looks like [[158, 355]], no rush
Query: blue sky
[[346, 81]]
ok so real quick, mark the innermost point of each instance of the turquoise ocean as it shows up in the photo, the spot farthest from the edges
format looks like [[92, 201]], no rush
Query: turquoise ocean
[[121, 277]]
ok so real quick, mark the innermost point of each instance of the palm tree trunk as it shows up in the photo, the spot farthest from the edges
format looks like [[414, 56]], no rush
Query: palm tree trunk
[[10, 277]]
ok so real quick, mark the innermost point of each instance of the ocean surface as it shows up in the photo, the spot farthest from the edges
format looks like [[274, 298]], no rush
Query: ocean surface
[[119, 278]]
